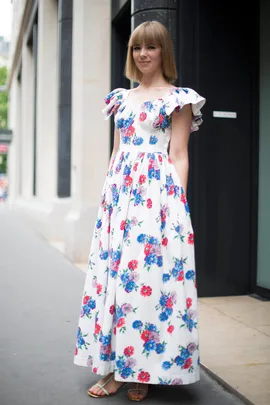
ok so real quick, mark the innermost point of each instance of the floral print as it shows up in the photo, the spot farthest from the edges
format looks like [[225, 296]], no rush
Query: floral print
[[139, 305]]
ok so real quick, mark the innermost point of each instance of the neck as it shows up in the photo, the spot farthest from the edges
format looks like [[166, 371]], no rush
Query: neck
[[153, 80]]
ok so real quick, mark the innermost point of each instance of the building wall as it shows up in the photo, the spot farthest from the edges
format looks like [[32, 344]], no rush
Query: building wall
[[71, 219]]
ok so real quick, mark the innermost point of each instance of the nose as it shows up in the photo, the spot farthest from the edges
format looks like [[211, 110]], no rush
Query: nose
[[143, 51]]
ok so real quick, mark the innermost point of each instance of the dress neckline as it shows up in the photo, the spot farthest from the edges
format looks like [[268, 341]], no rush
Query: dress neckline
[[162, 97]]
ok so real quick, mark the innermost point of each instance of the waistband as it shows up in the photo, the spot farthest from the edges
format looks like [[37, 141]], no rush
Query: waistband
[[142, 149]]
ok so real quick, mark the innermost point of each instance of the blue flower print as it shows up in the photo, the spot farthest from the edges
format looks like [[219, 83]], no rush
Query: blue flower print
[[141, 238], [166, 277], [137, 141], [126, 372], [160, 348], [190, 275], [163, 317], [127, 170], [137, 324], [166, 365], [120, 364], [104, 356], [99, 223], [104, 255], [152, 327], [130, 286], [150, 345], [153, 140], [120, 123]]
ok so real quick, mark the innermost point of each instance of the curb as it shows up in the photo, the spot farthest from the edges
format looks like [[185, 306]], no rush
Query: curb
[[226, 386]]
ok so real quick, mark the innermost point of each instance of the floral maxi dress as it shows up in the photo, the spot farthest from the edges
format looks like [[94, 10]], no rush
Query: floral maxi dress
[[139, 306]]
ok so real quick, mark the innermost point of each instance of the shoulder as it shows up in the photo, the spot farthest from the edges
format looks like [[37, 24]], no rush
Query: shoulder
[[181, 96], [113, 100], [115, 94]]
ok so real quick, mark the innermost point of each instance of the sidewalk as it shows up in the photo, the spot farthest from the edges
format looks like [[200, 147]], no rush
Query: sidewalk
[[235, 343], [40, 292]]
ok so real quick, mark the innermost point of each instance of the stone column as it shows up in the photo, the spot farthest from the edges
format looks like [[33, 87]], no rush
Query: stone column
[[65, 11], [27, 121], [47, 96], [90, 132], [163, 11], [14, 119]]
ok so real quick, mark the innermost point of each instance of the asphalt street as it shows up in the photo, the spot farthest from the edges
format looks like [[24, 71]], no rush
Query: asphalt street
[[40, 293]]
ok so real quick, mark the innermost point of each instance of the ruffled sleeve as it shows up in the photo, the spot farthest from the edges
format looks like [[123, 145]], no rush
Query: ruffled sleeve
[[112, 101], [182, 96]]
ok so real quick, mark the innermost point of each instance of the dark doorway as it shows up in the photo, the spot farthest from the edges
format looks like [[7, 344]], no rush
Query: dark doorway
[[218, 57], [121, 28]]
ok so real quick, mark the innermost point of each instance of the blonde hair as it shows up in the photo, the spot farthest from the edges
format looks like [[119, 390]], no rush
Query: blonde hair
[[151, 32]]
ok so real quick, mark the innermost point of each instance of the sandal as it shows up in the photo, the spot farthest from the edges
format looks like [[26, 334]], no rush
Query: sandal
[[134, 393], [91, 394]]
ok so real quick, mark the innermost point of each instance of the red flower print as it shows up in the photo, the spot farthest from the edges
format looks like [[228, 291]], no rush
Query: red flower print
[[160, 158], [99, 288], [122, 225], [143, 116], [177, 108], [170, 329], [191, 239], [129, 351], [86, 299], [76, 352], [133, 264], [188, 363], [112, 308], [135, 167], [95, 370], [165, 241], [181, 276], [161, 118], [147, 249], [163, 216], [114, 330], [189, 302], [121, 322], [171, 190], [169, 160], [149, 203], [130, 131], [144, 376], [109, 229], [145, 335], [169, 303], [142, 178], [146, 291], [128, 181], [183, 198], [97, 329]]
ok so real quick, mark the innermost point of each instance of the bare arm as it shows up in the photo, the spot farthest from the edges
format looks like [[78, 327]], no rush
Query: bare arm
[[181, 124]]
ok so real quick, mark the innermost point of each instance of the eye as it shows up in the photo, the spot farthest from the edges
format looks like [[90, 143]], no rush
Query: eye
[[151, 47], [136, 48]]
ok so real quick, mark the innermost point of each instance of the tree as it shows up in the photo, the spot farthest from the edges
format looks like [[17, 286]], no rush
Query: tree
[[3, 98]]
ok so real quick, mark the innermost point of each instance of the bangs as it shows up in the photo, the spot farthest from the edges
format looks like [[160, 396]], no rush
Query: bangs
[[147, 33]]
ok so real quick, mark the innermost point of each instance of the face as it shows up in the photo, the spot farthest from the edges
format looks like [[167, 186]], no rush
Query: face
[[147, 58]]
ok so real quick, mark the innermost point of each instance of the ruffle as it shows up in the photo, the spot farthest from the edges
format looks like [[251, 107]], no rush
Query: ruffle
[[113, 100], [182, 96]]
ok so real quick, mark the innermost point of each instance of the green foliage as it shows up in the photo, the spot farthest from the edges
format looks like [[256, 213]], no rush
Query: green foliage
[[3, 164], [3, 98]]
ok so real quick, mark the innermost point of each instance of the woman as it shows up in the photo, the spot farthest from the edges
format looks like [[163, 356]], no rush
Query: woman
[[138, 320]]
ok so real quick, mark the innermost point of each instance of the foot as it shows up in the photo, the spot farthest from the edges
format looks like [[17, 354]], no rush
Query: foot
[[111, 387], [138, 392]]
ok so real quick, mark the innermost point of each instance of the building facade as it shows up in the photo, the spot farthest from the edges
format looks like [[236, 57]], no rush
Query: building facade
[[67, 55]]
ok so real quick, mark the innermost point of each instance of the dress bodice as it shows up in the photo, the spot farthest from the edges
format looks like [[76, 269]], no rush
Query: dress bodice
[[147, 126]]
